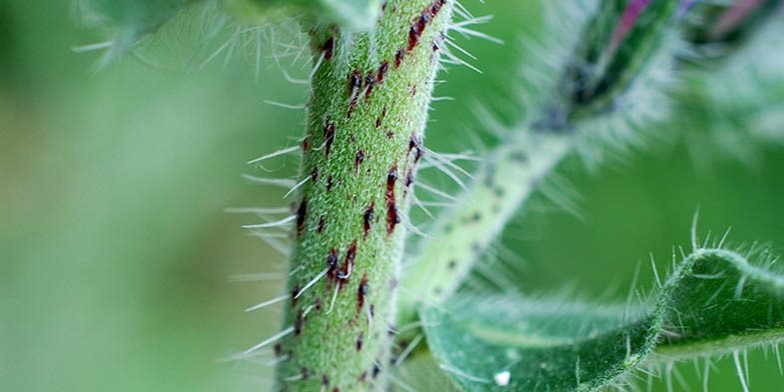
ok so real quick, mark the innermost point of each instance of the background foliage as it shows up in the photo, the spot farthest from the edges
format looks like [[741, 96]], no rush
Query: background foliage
[[115, 251]]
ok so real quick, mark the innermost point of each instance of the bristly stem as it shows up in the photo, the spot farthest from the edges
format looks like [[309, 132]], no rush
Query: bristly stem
[[616, 50], [368, 107]]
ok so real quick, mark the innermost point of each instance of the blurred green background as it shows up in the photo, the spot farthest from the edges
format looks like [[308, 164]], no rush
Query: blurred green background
[[116, 253]]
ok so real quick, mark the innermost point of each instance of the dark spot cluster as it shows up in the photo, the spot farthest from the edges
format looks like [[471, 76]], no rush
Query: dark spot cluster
[[359, 84], [421, 22], [340, 273]]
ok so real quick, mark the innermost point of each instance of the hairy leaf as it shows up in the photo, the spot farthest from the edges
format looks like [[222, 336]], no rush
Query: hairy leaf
[[132, 19], [356, 15], [714, 302]]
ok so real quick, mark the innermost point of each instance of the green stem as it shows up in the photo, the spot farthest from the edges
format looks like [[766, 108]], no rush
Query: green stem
[[463, 233], [366, 117], [584, 103]]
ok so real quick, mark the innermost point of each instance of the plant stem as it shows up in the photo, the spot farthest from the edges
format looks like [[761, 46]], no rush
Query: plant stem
[[507, 177], [622, 44], [369, 98]]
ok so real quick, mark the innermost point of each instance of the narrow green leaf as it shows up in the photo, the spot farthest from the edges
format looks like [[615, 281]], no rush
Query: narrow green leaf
[[714, 302], [722, 305]]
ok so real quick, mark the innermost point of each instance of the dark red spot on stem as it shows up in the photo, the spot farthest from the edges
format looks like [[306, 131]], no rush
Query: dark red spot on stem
[[298, 324], [399, 57], [354, 86], [370, 81], [305, 145], [360, 341], [301, 215], [294, 293], [362, 292], [382, 71], [392, 213], [368, 218], [332, 264], [329, 137], [359, 158], [348, 263], [328, 48]]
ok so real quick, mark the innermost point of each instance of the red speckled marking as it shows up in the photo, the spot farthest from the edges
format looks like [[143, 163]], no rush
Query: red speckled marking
[[328, 48], [305, 144], [392, 214], [360, 341], [367, 218], [359, 158], [399, 57], [362, 291], [332, 265], [302, 212], [329, 137], [370, 81], [420, 24], [298, 324], [348, 263], [354, 86], [382, 71], [294, 292]]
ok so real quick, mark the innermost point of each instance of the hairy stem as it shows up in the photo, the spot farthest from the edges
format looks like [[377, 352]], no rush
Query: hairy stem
[[507, 177], [368, 107], [611, 62]]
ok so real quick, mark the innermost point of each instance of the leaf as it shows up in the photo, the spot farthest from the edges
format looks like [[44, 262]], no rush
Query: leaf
[[355, 15], [132, 19], [722, 305], [714, 302]]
